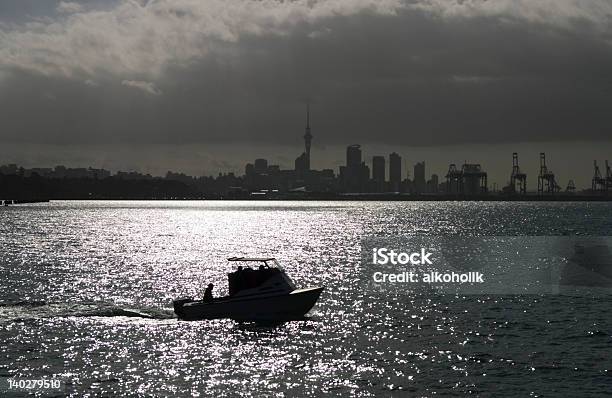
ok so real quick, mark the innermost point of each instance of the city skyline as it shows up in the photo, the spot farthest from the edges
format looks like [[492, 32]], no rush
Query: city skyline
[[190, 160], [386, 171], [382, 173], [387, 176], [356, 175]]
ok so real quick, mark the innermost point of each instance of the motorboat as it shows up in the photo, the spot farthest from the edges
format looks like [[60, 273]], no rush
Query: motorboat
[[264, 293]]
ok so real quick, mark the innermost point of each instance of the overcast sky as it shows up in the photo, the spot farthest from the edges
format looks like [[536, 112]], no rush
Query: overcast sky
[[203, 86]]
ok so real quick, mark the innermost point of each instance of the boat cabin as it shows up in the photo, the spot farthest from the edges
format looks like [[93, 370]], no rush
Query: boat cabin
[[268, 274]]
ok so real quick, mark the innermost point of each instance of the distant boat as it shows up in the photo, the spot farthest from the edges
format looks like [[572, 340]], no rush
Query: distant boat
[[264, 294]]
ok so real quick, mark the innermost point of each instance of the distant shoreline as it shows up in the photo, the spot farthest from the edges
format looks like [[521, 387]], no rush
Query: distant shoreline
[[348, 198]]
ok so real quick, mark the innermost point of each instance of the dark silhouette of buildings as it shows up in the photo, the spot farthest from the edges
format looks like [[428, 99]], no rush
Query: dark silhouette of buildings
[[353, 156], [378, 173], [395, 172], [263, 180], [419, 177], [301, 164], [267, 180], [261, 166], [355, 175], [433, 184], [55, 173]]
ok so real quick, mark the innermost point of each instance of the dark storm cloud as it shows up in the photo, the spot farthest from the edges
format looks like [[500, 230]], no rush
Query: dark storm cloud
[[390, 72]]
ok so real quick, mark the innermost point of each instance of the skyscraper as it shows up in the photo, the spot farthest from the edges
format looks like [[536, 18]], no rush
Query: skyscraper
[[378, 168], [378, 172], [356, 174], [261, 166], [353, 156], [432, 184], [395, 171]]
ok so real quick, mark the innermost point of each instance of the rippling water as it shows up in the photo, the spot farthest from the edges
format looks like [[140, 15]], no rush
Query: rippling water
[[87, 290]]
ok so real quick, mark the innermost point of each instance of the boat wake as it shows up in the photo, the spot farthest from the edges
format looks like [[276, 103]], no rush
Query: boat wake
[[24, 310]]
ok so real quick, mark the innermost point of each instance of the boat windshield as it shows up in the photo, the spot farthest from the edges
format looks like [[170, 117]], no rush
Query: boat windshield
[[269, 262]]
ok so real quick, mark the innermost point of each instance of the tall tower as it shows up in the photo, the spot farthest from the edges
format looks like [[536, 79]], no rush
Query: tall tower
[[307, 137]]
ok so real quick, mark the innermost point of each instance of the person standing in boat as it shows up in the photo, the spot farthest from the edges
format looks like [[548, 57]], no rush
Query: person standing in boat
[[208, 296]]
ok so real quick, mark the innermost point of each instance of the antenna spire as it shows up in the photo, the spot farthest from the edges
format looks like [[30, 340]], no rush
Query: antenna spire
[[307, 138]]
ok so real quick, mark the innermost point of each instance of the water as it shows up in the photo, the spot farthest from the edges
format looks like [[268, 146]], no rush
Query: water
[[87, 290]]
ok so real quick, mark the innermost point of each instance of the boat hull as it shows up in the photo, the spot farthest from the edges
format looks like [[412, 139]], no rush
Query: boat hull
[[287, 306]]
